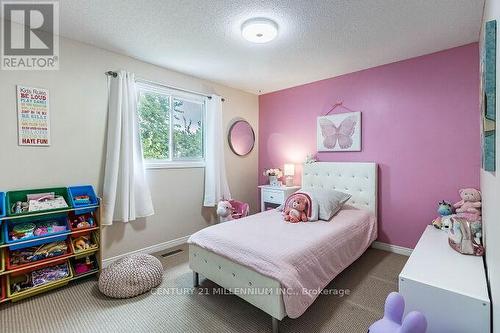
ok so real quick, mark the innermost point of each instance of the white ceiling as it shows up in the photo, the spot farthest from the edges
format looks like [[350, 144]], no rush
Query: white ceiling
[[317, 39]]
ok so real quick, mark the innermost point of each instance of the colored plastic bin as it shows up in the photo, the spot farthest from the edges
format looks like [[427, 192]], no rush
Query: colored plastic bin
[[88, 190], [3, 209], [35, 240], [72, 216], [2, 260], [15, 196], [38, 263], [1, 233], [16, 296], [95, 265], [3, 288], [93, 238]]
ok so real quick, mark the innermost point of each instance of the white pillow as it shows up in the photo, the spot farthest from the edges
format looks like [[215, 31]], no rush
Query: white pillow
[[329, 201]]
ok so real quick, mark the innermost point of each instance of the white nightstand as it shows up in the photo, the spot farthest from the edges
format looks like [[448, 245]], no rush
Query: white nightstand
[[273, 196]]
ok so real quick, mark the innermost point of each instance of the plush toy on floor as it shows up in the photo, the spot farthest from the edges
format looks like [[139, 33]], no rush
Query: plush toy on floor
[[393, 322]]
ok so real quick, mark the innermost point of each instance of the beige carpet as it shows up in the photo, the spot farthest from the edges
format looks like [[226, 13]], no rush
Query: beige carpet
[[80, 307]]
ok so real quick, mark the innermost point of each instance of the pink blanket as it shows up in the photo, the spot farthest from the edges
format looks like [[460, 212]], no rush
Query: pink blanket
[[301, 256]]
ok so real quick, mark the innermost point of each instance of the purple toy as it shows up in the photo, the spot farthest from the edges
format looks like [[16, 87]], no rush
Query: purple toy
[[393, 322]]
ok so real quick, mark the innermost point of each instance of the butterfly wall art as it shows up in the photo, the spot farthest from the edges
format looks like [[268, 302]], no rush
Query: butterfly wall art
[[339, 132]]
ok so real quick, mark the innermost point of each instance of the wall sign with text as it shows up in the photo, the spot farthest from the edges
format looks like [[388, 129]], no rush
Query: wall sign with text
[[33, 116]]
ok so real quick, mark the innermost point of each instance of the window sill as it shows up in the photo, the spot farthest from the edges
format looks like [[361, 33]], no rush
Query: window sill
[[175, 165]]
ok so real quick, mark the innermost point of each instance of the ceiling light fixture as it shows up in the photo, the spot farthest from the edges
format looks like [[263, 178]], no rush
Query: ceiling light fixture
[[259, 30]]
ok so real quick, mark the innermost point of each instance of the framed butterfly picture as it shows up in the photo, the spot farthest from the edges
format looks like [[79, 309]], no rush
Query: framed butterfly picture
[[339, 132]]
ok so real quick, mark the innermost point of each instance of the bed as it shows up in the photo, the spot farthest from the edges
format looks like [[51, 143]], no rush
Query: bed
[[281, 267]]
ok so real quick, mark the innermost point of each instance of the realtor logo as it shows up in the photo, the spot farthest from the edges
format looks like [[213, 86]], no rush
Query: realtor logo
[[30, 37]]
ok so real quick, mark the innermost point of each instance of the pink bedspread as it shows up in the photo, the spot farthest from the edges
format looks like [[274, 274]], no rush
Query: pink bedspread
[[301, 256]]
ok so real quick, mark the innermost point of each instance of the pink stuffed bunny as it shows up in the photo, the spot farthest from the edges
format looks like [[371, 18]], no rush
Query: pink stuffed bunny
[[470, 205]]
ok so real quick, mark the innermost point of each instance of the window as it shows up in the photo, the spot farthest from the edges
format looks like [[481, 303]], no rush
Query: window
[[171, 125]]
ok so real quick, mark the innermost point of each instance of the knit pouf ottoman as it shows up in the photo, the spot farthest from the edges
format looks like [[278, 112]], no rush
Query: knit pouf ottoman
[[131, 276]]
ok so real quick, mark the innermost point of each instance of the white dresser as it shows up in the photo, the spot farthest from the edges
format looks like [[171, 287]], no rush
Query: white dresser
[[449, 288], [273, 196]]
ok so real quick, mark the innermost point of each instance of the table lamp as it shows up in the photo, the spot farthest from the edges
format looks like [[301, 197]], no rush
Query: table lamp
[[289, 172]]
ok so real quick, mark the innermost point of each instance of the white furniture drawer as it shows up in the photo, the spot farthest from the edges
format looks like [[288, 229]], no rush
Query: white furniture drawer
[[277, 197], [441, 283], [273, 196]]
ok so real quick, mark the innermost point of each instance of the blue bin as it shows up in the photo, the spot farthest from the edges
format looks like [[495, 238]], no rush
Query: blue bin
[[75, 191], [35, 240], [3, 209]]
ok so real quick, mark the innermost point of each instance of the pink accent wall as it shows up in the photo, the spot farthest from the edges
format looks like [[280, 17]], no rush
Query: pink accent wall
[[421, 124]]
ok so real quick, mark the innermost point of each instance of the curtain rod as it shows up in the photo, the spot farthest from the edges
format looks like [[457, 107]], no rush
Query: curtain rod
[[115, 74]]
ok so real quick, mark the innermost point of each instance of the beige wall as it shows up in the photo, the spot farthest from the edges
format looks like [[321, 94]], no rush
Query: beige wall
[[490, 186], [78, 102]]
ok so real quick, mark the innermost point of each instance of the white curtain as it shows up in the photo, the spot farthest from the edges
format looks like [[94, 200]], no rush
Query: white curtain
[[126, 192], [216, 186]]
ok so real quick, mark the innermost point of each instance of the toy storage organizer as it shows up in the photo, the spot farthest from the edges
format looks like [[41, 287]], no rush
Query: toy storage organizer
[[41, 250]]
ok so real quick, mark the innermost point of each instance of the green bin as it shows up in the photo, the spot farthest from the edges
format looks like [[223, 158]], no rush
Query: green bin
[[15, 196]]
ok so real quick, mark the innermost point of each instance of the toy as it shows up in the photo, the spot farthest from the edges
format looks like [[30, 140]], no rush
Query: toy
[[469, 208], [225, 211], [445, 208], [22, 284], [22, 230], [240, 209], [393, 322], [442, 222], [49, 274], [49, 227], [84, 266], [296, 207], [35, 253], [470, 205], [82, 221], [83, 243], [20, 207], [81, 200]]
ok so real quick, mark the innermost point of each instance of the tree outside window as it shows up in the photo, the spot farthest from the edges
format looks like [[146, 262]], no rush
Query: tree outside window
[[171, 127]]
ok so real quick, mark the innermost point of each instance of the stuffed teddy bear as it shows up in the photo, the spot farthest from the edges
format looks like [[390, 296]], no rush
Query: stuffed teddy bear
[[296, 209], [470, 205], [469, 208]]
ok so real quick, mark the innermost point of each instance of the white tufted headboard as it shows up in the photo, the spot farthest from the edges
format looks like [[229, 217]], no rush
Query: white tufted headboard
[[357, 179]]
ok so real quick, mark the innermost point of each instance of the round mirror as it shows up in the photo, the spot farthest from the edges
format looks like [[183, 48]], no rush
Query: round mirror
[[241, 138]]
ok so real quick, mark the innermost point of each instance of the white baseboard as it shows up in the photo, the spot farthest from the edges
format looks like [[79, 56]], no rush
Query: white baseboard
[[150, 249], [392, 248]]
